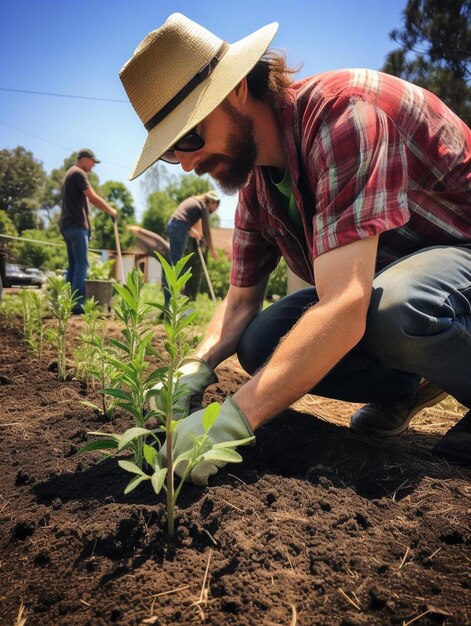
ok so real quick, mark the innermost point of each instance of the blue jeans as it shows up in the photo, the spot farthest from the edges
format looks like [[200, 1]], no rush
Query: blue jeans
[[178, 239], [76, 240], [418, 326]]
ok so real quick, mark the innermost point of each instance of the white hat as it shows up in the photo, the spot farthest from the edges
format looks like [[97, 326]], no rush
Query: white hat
[[212, 195], [181, 72]]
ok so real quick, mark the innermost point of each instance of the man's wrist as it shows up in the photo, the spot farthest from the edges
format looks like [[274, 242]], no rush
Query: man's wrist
[[246, 409], [230, 400]]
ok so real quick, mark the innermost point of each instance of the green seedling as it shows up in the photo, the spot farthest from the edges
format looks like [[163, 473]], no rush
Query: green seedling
[[150, 462], [85, 355], [28, 318], [34, 331], [132, 384], [10, 309], [61, 303]]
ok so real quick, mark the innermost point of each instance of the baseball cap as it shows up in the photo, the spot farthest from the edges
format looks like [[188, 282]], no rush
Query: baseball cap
[[85, 152]]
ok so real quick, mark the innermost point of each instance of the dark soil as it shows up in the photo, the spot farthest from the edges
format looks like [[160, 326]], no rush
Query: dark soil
[[317, 526]]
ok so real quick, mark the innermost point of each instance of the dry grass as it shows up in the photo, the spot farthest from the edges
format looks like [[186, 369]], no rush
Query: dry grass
[[435, 420]]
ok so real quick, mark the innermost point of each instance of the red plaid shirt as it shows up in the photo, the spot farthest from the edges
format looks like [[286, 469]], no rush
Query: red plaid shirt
[[369, 154]]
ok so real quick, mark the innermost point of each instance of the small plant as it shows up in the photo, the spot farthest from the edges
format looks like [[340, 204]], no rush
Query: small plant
[[61, 303], [34, 330], [132, 385], [84, 354], [28, 318], [103, 373], [10, 308], [150, 462]]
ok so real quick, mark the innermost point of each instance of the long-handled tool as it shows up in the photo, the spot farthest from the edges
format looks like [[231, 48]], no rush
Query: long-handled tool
[[118, 252], [205, 270]]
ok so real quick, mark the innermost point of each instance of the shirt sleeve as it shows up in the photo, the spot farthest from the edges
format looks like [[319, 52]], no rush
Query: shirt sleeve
[[80, 180], [253, 256], [359, 161]]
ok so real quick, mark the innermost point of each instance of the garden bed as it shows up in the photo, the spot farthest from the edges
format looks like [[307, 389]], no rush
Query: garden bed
[[317, 526]]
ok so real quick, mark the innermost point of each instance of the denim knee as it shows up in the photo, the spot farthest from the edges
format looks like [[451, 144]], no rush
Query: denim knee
[[264, 332]]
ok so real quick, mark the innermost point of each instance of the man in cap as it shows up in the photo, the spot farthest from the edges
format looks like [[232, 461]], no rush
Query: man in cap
[[74, 222], [191, 219], [362, 182]]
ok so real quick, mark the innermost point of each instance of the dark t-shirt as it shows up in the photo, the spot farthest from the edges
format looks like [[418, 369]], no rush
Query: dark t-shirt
[[75, 206], [190, 211]]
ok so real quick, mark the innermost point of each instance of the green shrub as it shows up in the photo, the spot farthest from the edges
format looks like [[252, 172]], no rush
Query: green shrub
[[278, 283]]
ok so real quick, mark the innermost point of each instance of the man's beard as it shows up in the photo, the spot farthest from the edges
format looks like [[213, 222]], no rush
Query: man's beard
[[243, 152]]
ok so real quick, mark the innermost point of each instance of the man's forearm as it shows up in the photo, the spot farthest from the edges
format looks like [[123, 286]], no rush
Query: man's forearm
[[225, 329], [308, 352], [98, 202], [102, 205]]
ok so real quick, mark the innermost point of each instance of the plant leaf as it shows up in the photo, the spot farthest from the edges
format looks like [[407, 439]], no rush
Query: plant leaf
[[98, 444], [128, 466], [158, 479], [119, 344], [117, 393], [134, 482], [98, 433], [184, 456], [210, 415], [150, 455], [225, 455], [124, 292], [130, 434], [234, 444]]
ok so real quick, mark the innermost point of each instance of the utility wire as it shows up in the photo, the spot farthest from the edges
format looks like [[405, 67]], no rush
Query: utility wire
[[63, 95], [35, 136], [45, 243], [57, 144]]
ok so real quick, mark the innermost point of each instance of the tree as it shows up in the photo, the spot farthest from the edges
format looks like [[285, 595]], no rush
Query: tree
[[118, 195], [438, 33], [154, 177], [159, 209], [187, 185], [22, 183], [41, 255]]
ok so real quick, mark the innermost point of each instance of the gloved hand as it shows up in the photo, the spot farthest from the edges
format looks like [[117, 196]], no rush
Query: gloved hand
[[196, 375], [230, 426]]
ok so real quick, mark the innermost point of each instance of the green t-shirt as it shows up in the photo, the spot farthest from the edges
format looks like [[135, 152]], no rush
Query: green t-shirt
[[287, 198]]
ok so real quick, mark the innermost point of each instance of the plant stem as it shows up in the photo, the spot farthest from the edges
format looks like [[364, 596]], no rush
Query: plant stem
[[170, 487], [170, 478]]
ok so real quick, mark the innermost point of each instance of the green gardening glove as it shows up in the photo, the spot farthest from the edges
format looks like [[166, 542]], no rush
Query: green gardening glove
[[195, 376], [230, 426]]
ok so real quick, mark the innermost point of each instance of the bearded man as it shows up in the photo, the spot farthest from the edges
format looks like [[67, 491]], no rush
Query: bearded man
[[362, 182]]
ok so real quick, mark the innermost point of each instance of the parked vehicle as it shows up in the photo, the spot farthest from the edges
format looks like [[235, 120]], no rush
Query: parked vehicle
[[38, 277], [15, 276]]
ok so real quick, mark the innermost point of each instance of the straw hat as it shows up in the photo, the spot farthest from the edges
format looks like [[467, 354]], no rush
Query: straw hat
[[181, 72]]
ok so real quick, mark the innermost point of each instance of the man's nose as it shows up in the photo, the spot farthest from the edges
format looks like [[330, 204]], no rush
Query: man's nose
[[187, 160]]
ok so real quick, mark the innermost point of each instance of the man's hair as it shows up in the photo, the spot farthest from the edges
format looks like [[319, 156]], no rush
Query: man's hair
[[270, 77]]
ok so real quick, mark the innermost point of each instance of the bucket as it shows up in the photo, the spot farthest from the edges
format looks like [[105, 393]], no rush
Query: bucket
[[101, 290]]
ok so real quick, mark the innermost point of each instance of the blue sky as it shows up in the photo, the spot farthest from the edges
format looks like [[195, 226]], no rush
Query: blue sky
[[78, 48]]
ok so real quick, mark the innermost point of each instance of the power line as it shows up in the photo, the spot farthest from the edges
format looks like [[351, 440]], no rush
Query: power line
[[63, 95], [57, 144], [35, 136]]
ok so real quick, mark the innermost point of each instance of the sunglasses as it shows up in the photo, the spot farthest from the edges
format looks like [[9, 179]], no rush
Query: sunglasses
[[191, 142]]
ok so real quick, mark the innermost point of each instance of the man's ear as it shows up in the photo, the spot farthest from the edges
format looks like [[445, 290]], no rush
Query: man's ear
[[238, 96]]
